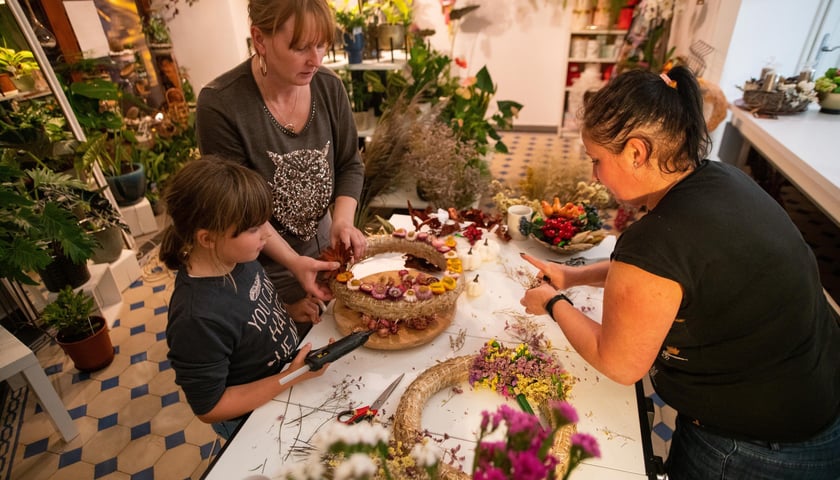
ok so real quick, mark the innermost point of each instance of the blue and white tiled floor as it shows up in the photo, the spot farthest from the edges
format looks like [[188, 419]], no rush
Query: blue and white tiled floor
[[132, 418]]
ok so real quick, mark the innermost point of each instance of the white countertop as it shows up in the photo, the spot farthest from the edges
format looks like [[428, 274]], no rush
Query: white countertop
[[607, 410], [805, 147]]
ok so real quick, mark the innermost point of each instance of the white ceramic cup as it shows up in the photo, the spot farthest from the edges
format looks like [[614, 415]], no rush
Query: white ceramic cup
[[515, 214]]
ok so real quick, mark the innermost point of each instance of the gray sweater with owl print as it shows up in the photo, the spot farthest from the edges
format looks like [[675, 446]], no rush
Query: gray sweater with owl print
[[307, 170]]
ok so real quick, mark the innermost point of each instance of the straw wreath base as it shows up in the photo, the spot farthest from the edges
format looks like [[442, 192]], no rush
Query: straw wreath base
[[407, 418]]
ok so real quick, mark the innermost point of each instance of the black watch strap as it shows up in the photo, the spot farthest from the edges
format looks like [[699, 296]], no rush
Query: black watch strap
[[549, 307]]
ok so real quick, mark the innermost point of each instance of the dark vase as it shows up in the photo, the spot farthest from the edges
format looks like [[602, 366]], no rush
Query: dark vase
[[110, 245], [62, 272], [91, 353], [354, 45], [129, 188]]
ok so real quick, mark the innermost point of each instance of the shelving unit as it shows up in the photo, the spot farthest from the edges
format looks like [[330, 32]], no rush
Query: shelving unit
[[593, 53], [107, 281]]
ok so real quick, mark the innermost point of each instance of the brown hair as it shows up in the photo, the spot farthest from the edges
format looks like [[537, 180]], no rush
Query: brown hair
[[640, 104], [269, 15], [213, 194]]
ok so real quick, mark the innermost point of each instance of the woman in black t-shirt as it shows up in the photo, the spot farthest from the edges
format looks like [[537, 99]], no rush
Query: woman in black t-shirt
[[714, 293]]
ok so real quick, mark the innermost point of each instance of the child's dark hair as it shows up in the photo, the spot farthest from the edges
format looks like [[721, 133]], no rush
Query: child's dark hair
[[213, 194], [644, 105]]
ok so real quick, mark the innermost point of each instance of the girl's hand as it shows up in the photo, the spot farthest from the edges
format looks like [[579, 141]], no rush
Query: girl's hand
[[305, 310], [300, 362]]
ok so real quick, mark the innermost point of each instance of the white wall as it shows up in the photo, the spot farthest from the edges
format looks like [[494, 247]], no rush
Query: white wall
[[518, 41], [209, 38], [524, 43]]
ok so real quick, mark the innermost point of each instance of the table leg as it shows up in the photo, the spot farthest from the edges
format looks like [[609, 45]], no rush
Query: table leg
[[50, 401]]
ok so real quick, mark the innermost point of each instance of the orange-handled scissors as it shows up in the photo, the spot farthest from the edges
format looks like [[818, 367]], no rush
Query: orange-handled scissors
[[369, 411]]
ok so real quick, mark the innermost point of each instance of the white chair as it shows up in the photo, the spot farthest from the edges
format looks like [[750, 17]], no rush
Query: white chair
[[15, 357]]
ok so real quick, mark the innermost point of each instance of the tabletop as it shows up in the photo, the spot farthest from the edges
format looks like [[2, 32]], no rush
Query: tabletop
[[280, 431], [803, 147]]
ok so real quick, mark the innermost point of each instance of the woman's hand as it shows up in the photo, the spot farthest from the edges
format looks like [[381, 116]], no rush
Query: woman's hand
[[535, 298], [305, 310], [554, 271], [564, 276], [306, 270], [352, 238]]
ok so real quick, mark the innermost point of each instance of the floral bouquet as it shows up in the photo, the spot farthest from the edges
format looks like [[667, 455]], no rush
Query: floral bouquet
[[524, 453], [570, 227], [364, 451], [520, 373]]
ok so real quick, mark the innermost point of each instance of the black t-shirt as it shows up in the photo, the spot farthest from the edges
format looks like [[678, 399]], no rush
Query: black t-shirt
[[755, 349], [225, 331]]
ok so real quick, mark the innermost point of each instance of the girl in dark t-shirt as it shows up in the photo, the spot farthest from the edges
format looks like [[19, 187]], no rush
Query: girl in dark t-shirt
[[228, 334]]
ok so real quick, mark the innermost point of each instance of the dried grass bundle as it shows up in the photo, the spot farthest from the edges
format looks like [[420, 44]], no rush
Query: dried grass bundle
[[571, 181], [449, 172], [383, 156]]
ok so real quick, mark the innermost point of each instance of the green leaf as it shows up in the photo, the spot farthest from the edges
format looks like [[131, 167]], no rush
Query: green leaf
[[97, 88], [483, 80]]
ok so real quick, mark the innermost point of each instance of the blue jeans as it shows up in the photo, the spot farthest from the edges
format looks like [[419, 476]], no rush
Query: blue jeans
[[698, 454], [227, 428]]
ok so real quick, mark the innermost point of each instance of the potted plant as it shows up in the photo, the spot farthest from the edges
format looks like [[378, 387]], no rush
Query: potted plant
[[167, 156], [33, 134], [360, 95], [398, 17], [105, 224], [352, 22], [119, 157], [20, 65], [38, 230], [157, 32], [81, 334], [828, 90]]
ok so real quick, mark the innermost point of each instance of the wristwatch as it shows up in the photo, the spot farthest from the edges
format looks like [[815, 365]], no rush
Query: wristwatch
[[549, 307]]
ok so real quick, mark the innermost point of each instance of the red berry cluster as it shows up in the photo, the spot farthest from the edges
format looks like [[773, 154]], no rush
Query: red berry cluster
[[622, 218], [558, 230], [472, 233]]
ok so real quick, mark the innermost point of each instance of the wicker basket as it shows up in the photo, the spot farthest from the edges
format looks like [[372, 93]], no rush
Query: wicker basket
[[776, 102], [407, 427]]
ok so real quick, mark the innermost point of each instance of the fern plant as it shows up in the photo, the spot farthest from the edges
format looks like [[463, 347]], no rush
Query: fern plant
[[70, 314], [37, 221]]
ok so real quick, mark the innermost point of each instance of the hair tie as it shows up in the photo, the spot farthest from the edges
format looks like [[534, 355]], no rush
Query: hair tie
[[665, 78]]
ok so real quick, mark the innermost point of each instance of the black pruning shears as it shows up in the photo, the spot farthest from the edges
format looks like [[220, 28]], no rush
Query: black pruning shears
[[367, 412]]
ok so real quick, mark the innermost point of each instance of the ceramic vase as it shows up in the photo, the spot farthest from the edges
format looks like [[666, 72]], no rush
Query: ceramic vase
[[830, 103], [354, 45]]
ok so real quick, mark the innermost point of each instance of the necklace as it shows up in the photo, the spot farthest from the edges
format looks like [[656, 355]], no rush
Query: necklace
[[290, 126]]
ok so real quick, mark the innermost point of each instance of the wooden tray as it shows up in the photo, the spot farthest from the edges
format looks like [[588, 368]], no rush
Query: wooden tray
[[348, 321]]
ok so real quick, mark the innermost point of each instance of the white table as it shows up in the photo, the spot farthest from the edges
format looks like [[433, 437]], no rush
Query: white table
[[607, 410], [803, 147], [15, 358]]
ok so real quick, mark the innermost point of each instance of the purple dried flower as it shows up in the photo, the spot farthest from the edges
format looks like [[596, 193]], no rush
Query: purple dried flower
[[564, 413], [588, 444], [527, 465], [490, 473]]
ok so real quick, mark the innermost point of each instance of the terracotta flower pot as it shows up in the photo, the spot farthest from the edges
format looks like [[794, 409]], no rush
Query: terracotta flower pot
[[91, 353]]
